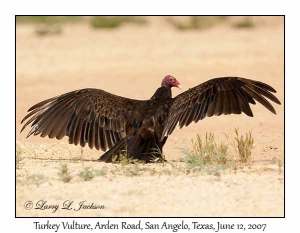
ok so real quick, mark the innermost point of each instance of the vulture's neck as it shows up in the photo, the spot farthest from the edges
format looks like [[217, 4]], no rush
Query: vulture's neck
[[162, 93]]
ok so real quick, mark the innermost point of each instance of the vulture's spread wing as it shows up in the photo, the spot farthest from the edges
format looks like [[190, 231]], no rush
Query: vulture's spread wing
[[90, 116], [227, 95]]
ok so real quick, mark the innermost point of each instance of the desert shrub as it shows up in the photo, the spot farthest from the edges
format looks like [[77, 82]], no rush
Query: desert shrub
[[36, 179], [88, 173], [244, 23], [45, 29], [40, 19], [64, 173], [244, 146], [115, 21], [47, 25], [18, 156], [195, 22], [280, 165], [207, 155]]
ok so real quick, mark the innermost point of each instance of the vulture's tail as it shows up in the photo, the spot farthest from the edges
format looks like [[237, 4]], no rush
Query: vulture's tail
[[146, 149]]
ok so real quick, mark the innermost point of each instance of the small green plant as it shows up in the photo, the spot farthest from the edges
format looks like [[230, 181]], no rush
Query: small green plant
[[209, 150], [64, 173], [101, 172], [18, 156], [157, 155], [245, 23], [45, 29], [134, 170], [280, 165], [244, 146], [40, 19], [115, 21], [47, 25], [195, 22], [87, 174], [136, 19], [81, 152], [36, 179], [207, 155], [123, 159], [105, 22], [129, 166]]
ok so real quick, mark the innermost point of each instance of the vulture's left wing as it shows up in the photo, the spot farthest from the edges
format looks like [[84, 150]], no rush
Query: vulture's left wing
[[226, 95]]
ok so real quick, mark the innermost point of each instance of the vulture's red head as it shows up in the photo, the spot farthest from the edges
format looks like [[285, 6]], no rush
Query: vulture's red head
[[169, 81]]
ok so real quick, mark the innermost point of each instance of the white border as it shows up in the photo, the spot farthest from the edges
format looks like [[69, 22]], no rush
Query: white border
[[10, 8]]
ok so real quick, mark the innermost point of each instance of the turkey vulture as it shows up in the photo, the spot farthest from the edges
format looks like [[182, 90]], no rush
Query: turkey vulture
[[106, 121]]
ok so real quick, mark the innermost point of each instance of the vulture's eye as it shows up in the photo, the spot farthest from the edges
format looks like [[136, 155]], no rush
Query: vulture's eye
[[172, 80]]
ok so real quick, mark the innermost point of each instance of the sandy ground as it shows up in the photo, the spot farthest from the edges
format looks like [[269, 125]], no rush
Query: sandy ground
[[131, 61]]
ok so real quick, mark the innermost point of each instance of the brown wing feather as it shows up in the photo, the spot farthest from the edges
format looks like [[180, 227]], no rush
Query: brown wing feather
[[87, 116], [219, 96]]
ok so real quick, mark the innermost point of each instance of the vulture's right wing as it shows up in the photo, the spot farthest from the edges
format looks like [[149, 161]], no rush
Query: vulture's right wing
[[90, 116]]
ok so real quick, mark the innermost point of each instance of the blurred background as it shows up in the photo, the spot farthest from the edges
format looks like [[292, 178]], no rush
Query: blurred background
[[129, 56]]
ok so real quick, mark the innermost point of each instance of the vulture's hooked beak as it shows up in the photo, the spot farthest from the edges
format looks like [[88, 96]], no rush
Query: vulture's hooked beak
[[179, 86]]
